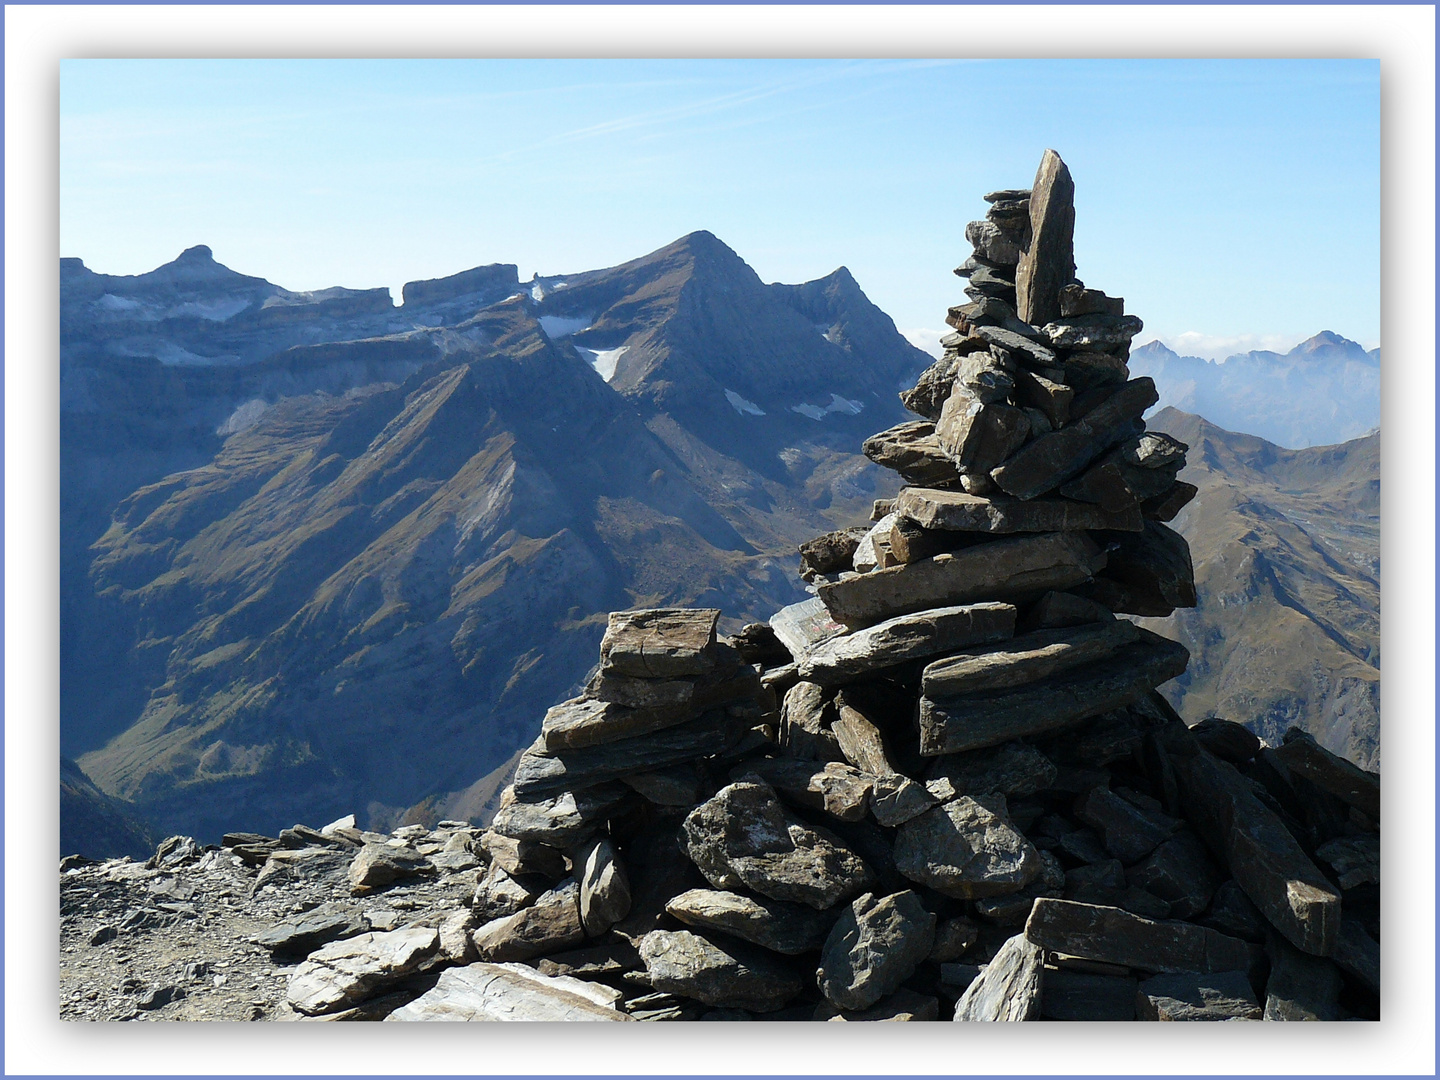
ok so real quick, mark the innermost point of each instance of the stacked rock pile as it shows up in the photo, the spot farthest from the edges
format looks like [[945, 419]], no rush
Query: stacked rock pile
[[946, 785]]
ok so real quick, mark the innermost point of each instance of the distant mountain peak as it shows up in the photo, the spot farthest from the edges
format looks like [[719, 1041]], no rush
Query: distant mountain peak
[[1326, 339], [197, 254]]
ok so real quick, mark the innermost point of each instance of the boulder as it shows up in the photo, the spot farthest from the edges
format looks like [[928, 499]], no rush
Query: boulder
[[897, 799], [1010, 769], [1056, 610], [563, 820], [1008, 988], [744, 838], [1222, 995], [550, 924], [1015, 568], [806, 713], [660, 643], [912, 450], [803, 626], [966, 848], [1094, 932], [1227, 740], [835, 551], [498, 894], [906, 637], [835, 787], [1147, 573], [510, 992], [377, 865], [978, 436], [604, 888], [1303, 755], [523, 858], [583, 721], [1301, 986], [1181, 873], [1128, 832], [732, 975], [339, 974], [874, 947], [772, 924], [310, 930]]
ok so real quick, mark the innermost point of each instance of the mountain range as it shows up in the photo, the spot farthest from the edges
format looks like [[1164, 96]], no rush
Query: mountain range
[[1325, 390], [323, 554], [1286, 548]]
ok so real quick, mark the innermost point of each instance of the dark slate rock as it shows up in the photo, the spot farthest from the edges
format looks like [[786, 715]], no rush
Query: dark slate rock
[[1180, 872], [1026, 659], [307, 932], [1128, 832], [967, 848], [1232, 912], [1303, 755], [772, 924], [833, 552], [959, 512], [1047, 264], [1058, 610], [970, 721], [1118, 937], [904, 638], [836, 787], [1227, 740], [550, 924], [1301, 986], [1074, 995], [874, 946], [978, 436], [1012, 769], [1221, 995], [1147, 573], [563, 820], [729, 975]]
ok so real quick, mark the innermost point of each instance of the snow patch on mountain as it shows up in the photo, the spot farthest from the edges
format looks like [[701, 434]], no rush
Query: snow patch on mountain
[[743, 406], [838, 404], [604, 361], [559, 326]]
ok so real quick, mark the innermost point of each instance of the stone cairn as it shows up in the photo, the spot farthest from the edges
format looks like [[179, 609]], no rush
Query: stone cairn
[[944, 786]]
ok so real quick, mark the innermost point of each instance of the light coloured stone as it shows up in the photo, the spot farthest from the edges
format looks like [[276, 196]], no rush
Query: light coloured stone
[[511, 992]]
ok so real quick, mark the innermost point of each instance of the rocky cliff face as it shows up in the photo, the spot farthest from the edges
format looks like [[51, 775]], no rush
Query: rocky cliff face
[[348, 556], [1286, 545]]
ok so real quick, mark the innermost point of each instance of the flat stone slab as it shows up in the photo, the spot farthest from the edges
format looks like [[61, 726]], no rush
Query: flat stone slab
[[550, 924], [876, 944], [584, 721], [906, 637], [510, 992], [1343, 779], [1009, 988], [1264, 858], [745, 838], [1027, 658], [959, 512], [1011, 569], [1094, 932], [967, 848], [544, 772], [1222, 995], [729, 975], [341, 973], [803, 626], [781, 927], [310, 930], [971, 721], [660, 643]]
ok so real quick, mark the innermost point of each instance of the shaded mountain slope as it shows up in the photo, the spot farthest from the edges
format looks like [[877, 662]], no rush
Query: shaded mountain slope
[[95, 825], [1324, 391], [369, 594], [1286, 547]]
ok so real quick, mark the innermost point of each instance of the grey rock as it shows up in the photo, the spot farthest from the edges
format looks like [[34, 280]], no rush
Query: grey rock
[[985, 376], [510, 992], [326, 923], [836, 787], [583, 721], [1127, 831], [772, 924], [905, 638], [544, 772], [1303, 755], [521, 858], [377, 865], [1056, 610], [1147, 573], [1255, 845], [835, 551], [604, 887], [1011, 769], [563, 820], [971, 721], [1047, 264], [1075, 300], [550, 924], [903, 1005], [1118, 937], [342, 973], [912, 450], [1227, 740], [1078, 995], [498, 894], [1010, 986], [992, 243], [1179, 872], [861, 741], [873, 551], [1027, 658], [609, 956], [978, 436], [660, 643], [897, 799], [1165, 507], [1084, 846], [805, 717], [1357, 954], [1232, 912], [874, 947], [1096, 331], [927, 397], [997, 281], [962, 512], [1021, 345], [953, 938], [1011, 569], [1049, 396], [677, 786], [1086, 369], [1300, 987], [966, 848], [744, 838], [1223, 995], [730, 975], [1008, 195], [1047, 462], [803, 626]]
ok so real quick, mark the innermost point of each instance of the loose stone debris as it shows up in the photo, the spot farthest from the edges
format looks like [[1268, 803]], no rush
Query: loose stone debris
[[945, 787]]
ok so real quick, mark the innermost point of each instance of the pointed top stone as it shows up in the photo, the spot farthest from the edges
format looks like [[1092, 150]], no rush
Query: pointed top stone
[[1048, 264]]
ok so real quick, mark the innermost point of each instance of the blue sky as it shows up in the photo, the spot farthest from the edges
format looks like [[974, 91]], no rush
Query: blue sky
[[1234, 203]]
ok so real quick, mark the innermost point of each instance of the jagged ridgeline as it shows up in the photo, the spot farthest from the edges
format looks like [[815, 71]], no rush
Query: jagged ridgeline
[[945, 786]]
